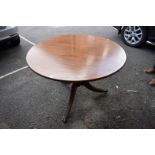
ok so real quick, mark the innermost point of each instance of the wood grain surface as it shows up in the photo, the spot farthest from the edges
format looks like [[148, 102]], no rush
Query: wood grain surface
[[77, 57]]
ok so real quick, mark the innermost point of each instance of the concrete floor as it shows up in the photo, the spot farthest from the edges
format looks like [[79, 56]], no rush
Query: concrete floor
[[30, 101]]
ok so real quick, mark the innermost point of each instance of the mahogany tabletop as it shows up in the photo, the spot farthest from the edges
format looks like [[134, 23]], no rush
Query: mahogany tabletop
[[77, 57]]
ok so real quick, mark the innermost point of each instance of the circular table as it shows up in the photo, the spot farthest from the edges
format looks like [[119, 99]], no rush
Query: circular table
[[77, 59]]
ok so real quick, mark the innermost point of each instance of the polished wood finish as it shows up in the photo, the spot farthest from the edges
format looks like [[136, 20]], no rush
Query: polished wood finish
[[76, 59]]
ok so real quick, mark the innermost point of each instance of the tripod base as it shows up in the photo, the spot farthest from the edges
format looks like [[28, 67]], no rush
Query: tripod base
[[74, 87]]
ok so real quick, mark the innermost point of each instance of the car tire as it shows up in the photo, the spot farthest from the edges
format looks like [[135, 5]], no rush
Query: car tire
[[15, 40], [134, 36]]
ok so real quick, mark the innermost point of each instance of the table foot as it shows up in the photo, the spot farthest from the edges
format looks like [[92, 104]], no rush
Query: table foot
[[70, 102], [92, 88], [64, 120]]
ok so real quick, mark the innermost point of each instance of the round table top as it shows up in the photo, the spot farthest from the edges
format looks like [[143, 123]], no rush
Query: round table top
[[77, 57]]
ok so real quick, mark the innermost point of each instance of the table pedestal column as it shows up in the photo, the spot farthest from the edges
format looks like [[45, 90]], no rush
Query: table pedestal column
[[74, 87]]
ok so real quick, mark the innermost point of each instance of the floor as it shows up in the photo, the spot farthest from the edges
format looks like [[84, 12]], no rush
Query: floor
[[30, 101]]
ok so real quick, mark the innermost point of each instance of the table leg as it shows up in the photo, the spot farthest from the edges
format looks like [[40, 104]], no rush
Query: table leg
[[91, 87], [74, 87], [70, 102]]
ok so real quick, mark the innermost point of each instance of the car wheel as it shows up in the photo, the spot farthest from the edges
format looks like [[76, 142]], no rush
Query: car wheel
[[15, 40], [134, 35]]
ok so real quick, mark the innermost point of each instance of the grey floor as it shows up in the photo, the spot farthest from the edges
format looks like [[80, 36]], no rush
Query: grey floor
[[30, 101]]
